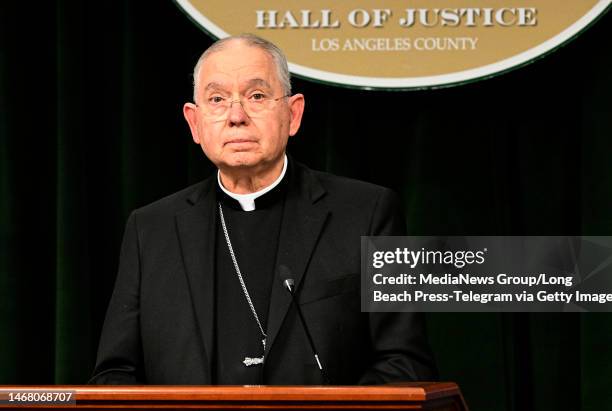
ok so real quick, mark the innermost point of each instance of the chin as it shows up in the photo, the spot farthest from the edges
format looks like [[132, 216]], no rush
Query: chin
[[243, 159]]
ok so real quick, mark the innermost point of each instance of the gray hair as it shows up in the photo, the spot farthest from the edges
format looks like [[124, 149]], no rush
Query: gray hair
[[280, 61]]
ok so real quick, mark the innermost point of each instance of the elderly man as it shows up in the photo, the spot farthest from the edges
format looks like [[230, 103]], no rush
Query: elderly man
[[199, 297]]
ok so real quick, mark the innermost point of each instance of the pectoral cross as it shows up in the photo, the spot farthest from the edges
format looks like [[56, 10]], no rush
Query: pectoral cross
[[248, 361]]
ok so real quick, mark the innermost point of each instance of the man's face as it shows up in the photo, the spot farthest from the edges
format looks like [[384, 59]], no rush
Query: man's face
[[240, 139]]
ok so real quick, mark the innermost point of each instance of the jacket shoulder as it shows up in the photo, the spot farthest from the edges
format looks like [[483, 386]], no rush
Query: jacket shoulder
[[174, 203], [378, 209]]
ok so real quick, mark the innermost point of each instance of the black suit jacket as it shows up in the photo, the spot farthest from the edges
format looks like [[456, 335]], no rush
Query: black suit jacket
[[159, 324]]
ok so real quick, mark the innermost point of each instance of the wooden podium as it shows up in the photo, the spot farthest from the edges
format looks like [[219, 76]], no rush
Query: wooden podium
[[408, 396]]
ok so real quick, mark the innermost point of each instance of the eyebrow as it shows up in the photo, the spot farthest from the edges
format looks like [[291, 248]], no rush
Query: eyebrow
[[213, 85], [258, 82]]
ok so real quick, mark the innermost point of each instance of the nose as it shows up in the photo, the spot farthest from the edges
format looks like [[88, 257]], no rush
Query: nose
[[237, 116]]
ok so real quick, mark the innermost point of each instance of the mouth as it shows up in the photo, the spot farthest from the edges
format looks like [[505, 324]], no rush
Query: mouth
[[237, 141]]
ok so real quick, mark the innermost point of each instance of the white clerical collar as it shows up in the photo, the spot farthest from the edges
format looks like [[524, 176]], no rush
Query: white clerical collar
[[247, 201]]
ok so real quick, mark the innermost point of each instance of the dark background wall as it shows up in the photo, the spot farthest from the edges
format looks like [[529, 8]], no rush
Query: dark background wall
[[91, 127]]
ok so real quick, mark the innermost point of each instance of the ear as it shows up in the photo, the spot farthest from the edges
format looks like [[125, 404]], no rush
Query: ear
[[296, 110], [190, 112]]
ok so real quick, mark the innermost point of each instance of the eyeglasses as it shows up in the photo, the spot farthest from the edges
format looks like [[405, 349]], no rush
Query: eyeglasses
[[218, 106]]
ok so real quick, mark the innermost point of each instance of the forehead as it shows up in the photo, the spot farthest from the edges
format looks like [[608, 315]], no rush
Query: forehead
[[238, 64]]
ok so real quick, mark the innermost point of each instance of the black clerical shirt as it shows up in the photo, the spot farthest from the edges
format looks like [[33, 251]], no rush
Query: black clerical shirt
[[254, 236]]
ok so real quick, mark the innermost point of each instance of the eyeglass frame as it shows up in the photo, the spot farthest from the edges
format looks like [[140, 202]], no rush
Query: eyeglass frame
[[239, 100]]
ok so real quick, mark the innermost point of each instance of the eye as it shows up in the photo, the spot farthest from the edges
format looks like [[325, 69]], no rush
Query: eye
[[215, 100], [257, 97]]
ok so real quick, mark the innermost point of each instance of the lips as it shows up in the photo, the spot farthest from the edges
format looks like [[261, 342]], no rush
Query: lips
[[240, 141]]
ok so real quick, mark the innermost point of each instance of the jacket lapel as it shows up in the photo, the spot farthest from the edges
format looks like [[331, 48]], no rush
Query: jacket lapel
[[196, 227], [302, 222]]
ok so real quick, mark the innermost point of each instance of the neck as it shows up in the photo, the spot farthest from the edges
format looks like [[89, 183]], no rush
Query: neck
[[250, 181]]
